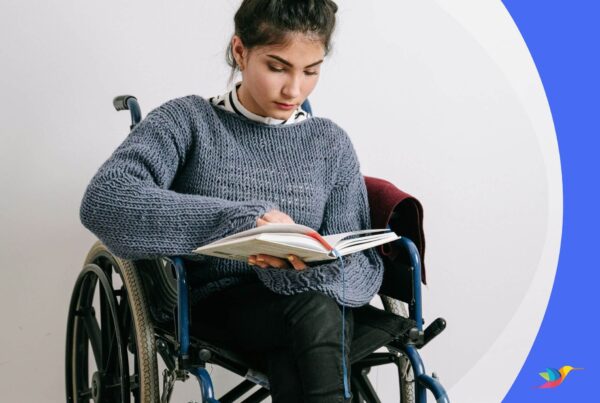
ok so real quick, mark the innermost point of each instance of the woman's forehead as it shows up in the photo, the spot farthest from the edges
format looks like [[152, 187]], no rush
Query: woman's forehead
[[299, 51]]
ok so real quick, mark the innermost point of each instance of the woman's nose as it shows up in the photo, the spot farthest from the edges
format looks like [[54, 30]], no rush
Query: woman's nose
[[292, 88]]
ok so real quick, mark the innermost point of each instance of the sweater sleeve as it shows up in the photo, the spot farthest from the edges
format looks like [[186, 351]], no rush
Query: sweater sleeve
[[128, 204], [347, 209]]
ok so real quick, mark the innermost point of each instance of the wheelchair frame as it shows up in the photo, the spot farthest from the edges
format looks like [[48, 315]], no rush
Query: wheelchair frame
[[423, 382], [177, 355]]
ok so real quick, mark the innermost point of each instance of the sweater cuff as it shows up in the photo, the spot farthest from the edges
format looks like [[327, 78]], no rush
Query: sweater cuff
[[246, 219], [240, 219]]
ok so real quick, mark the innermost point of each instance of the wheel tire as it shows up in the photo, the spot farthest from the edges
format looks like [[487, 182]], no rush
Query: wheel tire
[[406, 381], [124, 323], [405, 373]]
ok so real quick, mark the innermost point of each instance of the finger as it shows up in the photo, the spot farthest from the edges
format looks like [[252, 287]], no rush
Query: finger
[[276, 216], [270, 216], [260, 262], [297, 263], [284, 218], [272, 261], [253, 260]]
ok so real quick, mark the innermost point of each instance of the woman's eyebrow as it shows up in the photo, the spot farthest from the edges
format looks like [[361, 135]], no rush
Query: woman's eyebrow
[[290, 64]]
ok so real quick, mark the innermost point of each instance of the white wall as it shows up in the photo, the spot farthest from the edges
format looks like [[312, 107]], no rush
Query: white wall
[[451, 110]]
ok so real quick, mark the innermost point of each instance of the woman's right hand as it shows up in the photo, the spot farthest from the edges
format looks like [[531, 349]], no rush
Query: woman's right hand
[[265, 261], [274, 216]]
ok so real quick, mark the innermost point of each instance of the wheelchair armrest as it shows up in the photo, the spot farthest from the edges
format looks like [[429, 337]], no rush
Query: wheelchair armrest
[[436, 327]]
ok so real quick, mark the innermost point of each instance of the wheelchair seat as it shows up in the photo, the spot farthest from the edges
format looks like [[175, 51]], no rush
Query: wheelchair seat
[[373, 328]]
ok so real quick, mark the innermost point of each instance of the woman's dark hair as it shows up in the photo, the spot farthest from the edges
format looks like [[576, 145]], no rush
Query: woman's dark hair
[[269, 22]]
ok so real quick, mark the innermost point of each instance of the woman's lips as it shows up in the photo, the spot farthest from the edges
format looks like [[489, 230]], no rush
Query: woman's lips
[[285, 107]]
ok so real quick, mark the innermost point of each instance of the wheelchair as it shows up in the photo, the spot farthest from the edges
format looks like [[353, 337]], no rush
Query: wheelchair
[[125, 314]]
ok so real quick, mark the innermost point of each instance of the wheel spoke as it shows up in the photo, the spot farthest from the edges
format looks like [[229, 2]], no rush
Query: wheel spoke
[[93, 332], [134, 379], [128, 332], [85, 394], [109, 349], [128, 335], [124, 314]]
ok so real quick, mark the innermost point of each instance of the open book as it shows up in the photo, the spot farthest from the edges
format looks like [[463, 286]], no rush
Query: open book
[[282, 240]]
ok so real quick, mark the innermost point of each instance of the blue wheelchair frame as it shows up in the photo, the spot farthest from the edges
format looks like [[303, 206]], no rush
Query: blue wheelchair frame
[[423, 382]]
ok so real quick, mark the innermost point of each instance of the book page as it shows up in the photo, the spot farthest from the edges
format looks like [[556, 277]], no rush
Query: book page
[[365, 239], [366, 245], [297, 240], [268, 228], [334, 239], [253, 245]]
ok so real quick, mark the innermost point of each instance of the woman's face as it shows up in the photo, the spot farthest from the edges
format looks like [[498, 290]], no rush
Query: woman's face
[[276, 79]]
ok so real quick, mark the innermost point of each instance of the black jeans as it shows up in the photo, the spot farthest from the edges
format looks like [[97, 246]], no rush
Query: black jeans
[[300, 335]]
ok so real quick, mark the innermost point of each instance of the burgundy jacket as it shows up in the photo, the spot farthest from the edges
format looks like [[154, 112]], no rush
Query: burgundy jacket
[[386, 199]]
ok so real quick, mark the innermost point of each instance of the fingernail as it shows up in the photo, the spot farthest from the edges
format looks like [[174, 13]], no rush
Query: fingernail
[[291, 258], [251, 261], [260, 259]]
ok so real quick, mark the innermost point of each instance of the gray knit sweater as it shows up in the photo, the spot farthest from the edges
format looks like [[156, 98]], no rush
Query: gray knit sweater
[[191, 173]]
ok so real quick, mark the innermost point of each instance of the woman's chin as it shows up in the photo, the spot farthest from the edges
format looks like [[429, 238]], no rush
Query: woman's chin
[[279, 114]]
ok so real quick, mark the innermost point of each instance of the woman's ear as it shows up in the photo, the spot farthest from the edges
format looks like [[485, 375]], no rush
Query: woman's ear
[[239, 52]]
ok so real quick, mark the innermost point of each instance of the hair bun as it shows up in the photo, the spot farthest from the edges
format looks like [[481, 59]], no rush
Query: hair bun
[[334, 6]]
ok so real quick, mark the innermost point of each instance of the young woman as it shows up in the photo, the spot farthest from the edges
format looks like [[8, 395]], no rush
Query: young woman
[[196, 170]]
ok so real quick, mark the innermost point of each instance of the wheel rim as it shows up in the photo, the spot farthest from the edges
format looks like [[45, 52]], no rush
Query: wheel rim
[[107, 338]]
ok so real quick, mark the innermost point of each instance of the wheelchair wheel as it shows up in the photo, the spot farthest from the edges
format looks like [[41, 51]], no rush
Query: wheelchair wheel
[[110, 349], [406, 381], [405, 374]]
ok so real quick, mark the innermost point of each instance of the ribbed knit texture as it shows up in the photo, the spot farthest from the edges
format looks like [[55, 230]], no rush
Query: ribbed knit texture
[[191, 173]]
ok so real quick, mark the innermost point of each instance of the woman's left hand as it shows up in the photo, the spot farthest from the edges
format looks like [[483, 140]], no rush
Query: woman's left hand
[[266, 261]]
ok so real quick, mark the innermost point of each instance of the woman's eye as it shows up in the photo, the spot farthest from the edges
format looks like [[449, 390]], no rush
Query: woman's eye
[[279, 70]]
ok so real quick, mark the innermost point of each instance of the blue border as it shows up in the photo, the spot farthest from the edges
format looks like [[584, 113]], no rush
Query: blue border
[[564, 40]]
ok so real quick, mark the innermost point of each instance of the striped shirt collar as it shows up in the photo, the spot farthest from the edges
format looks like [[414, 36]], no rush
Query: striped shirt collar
[[230, 102]]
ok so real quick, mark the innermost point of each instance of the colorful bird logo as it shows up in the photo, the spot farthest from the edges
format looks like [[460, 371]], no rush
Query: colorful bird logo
[[555, 377]]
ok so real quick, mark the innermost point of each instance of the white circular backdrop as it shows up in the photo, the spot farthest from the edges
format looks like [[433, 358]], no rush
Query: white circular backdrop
[[439, 97]]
